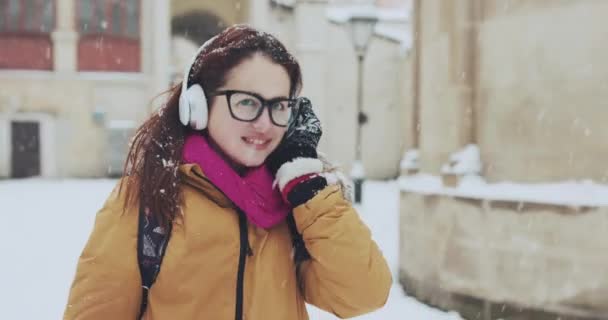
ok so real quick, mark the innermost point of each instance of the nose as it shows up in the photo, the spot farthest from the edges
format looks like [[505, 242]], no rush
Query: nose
[[263, 123]]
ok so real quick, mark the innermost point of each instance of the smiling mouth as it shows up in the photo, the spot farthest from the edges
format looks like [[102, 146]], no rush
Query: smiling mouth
[[259, 143]]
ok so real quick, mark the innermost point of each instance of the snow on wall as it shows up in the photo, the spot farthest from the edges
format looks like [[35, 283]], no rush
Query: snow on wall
[[567, 193]]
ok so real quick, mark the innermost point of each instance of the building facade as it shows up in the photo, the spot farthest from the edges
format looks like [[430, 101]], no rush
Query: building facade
[[524, 82], [76, 76], [317, 32], [114, 57]]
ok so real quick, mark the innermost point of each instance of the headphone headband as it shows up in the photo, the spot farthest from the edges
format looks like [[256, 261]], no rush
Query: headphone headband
[[193, 108], [192, 62]]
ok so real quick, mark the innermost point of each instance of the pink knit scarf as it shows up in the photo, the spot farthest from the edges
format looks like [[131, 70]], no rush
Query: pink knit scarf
[[253, 192]]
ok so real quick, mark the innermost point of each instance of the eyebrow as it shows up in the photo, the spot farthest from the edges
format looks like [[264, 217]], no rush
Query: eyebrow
[[258, 94], [273, 98]]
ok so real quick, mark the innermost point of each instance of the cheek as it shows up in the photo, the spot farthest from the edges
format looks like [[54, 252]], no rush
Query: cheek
[[227, 132], [218, 127], [279, 132]]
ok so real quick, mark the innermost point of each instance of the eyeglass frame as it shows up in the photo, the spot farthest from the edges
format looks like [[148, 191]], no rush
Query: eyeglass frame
[[266, 104]]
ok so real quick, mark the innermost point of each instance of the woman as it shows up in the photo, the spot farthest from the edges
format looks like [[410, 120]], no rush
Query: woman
[[239, 209]]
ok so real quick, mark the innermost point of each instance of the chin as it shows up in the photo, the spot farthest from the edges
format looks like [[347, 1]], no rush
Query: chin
[[252, 163]]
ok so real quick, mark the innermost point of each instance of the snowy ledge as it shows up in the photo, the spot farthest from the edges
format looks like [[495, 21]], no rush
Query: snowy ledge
[[393, 23], [341, 14], [399, 33], [568, 193], [284, 3]]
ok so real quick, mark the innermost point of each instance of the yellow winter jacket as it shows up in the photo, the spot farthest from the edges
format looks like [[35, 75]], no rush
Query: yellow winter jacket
[[347, 274]]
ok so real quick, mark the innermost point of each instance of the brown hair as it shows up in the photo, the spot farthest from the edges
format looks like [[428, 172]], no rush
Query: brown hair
[[152, 179]]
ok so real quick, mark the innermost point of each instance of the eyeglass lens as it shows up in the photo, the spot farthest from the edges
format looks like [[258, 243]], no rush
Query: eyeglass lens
[[247, 107]]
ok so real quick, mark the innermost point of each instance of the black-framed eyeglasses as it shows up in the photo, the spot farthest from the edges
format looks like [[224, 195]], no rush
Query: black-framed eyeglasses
[[249, 106]]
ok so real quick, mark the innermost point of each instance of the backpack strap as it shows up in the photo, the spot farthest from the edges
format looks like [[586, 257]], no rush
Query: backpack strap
[[151, 244]]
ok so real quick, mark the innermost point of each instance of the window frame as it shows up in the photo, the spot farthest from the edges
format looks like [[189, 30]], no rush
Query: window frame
[[95, 37], [23, 19], [26, 31], [104, 9]]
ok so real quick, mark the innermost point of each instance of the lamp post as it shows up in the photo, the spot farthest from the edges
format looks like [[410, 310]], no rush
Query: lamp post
[[361, 27]]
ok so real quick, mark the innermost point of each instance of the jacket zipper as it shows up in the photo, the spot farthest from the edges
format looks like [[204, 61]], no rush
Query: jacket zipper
[[244, 252]]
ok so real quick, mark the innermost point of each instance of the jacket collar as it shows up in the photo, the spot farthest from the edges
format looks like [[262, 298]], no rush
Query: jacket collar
[[193, 175]]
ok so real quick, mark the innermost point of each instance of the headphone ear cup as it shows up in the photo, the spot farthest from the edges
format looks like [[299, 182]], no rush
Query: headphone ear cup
[[197, 102], [184, 109]]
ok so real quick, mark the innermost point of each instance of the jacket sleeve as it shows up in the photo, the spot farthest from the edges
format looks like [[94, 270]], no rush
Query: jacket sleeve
[[347, 274], [107, 284]]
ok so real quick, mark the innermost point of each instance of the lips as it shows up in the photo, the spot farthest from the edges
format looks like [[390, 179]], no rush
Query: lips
[[258, 143]]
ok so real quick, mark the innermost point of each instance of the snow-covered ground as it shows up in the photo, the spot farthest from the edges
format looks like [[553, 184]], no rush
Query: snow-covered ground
[[45, 223]]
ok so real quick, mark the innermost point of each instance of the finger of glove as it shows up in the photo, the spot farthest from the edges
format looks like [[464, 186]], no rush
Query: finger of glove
[[308, 121], [309, 133]]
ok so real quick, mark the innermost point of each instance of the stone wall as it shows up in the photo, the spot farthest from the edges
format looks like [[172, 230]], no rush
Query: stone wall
[[444, 82], [543, 92], [525, 256], [527, 82]]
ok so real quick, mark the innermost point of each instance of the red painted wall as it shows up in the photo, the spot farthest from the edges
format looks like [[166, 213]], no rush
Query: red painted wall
[[107, 53], [19, 51]]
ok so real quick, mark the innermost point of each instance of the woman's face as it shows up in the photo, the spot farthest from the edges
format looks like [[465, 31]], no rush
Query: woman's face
[[249, 143]]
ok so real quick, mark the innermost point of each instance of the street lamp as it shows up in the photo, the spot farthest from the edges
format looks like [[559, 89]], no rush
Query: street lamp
[[361, 27]]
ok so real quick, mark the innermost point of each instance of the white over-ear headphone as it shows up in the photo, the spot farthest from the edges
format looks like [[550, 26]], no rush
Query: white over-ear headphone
[[193, 108]]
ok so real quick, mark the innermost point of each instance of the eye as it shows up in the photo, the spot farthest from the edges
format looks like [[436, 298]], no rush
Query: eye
[[247, 102], [279, 106]]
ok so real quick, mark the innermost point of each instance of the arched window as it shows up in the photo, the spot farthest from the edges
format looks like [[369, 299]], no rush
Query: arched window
[[109, 35], [25, 27], [197, 26]]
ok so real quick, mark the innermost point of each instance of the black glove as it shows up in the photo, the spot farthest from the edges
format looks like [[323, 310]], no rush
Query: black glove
[[296, 156], [301, 138]]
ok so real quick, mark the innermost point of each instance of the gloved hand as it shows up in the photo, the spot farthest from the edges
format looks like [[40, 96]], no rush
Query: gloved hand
[[294, 162]]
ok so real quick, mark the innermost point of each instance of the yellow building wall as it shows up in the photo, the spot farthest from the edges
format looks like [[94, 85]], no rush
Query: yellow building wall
[[230, 11]]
